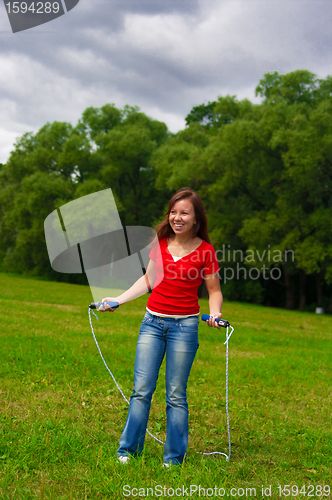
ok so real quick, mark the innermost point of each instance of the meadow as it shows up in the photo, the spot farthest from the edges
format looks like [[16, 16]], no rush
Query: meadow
[[62, 416]]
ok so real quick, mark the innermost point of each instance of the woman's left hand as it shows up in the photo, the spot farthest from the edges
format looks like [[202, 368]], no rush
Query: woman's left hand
[[211, 321]]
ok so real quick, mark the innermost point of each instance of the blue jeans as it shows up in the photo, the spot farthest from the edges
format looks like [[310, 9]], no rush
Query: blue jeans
[[178, 338]]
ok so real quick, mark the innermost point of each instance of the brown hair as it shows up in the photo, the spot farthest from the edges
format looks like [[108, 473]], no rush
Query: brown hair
[[200, 229]]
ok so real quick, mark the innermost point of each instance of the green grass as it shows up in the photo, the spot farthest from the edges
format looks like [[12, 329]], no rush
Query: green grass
[[62, 416]]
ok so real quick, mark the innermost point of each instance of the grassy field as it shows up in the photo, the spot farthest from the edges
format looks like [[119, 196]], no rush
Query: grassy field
[[62, 416]]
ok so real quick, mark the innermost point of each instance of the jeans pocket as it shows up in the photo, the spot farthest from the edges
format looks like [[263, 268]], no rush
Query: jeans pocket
[[189, 325], [148, 318]]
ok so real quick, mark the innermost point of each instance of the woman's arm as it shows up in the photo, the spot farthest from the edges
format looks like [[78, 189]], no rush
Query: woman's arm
[[141, 286], [215, 298]]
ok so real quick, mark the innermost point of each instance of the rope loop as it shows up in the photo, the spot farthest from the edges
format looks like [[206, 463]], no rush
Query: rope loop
[[228, 336]]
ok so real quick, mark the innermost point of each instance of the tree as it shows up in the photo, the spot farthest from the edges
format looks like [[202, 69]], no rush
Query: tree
[[214, 161], [31, 185], [22, 238], [177, 162], [300, 105], [108, 148], [124, 152], [203, 114], [264, 172]]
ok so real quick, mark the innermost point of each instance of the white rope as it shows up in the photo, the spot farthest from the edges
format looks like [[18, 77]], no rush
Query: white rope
[[154, 437], [102, 357], [228, 431]]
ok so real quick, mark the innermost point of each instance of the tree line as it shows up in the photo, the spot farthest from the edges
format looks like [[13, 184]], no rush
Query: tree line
[[263, 171]]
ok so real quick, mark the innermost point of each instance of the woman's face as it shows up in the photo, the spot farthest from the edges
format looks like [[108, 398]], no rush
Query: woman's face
[[182, 217]]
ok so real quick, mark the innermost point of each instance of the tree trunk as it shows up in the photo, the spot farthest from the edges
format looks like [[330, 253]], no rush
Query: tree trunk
[[319, 283], [303, 278], [329, 308], [290, 289]]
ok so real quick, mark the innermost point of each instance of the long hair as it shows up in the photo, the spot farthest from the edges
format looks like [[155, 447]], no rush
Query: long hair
[[200, 229]]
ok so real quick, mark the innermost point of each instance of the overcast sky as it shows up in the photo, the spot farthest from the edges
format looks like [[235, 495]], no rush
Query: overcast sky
[[165, 56]]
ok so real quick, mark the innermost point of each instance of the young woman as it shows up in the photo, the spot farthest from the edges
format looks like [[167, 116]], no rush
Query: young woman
[[183, 258]]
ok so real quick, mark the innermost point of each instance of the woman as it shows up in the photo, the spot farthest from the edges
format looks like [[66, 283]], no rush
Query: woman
[[183, 258]]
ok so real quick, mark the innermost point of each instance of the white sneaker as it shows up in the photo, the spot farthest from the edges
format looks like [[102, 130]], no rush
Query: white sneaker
[[167, 465], [123, 459]]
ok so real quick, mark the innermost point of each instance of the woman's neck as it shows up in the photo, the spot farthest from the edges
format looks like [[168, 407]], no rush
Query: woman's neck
[[184, 241]]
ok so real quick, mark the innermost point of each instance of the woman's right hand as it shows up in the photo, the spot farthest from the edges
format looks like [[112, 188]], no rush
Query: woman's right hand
[[106, 307]]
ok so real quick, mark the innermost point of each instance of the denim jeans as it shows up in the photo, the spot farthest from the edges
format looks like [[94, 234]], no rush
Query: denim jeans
[[178, 339]]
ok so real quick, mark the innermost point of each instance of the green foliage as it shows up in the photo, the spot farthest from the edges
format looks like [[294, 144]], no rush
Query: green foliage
[[217, 113], [177, 162], [297, 86], [108, 148], [22, 225], [300, 218], [264, 173], [125, 153], [100, 120], [89, 187], [203, 114]]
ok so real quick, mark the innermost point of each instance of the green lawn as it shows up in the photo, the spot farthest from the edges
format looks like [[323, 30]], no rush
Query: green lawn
[[62, 416]]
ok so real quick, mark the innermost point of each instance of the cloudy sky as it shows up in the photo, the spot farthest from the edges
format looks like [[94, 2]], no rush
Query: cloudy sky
[[165, 56]]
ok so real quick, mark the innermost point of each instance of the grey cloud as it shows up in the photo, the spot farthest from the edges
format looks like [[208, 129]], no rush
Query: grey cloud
[[165, 56]]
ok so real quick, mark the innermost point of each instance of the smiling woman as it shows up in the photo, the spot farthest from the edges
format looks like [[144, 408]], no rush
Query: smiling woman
[[182, 217], [178, 264]]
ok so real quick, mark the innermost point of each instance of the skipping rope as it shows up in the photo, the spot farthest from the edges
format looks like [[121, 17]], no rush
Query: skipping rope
[[224, 324]]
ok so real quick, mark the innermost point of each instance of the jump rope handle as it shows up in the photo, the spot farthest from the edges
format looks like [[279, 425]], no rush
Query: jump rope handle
[[220, 322], [96, 305]]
